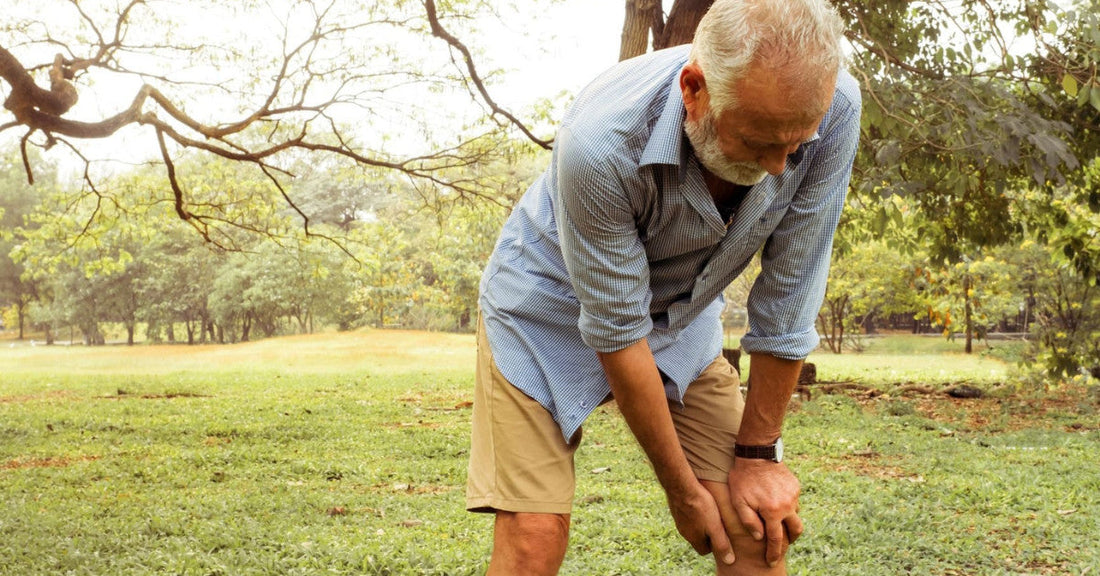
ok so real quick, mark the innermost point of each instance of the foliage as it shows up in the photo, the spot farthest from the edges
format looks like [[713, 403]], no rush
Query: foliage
[[970, 296], [17, 201], [425, 275], [128, 259], [1061, 274], [870, 280], [1066, 310]]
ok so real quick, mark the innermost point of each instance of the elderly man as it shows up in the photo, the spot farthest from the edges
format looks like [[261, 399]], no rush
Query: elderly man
[[670, 172]]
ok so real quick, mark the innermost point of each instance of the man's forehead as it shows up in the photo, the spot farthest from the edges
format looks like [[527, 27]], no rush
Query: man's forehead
[[757, 131], [770, 100]]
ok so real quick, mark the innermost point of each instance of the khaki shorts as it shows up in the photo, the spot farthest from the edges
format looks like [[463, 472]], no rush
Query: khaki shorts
[[519, 461]]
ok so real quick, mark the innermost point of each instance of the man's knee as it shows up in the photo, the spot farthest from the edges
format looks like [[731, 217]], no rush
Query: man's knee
[[527, 543]]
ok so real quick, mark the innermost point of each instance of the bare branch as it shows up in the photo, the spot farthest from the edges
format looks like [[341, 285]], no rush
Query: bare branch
[[26, 160], [439, 32]]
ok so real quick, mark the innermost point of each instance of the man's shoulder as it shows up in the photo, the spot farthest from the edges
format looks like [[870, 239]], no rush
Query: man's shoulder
[[615, 115], [847, 92], [629, 92]]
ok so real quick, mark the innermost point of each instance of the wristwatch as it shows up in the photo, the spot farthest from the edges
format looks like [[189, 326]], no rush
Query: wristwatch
[[773, 452]]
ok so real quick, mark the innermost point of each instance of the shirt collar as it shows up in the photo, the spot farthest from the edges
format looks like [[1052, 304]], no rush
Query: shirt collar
[[666, 141]]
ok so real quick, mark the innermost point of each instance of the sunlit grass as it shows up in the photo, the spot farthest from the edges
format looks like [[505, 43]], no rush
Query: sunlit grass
[[320, 353], [345, 454]]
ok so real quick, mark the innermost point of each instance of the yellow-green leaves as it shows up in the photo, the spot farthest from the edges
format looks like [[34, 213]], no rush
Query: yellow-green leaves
[[1069, 84]]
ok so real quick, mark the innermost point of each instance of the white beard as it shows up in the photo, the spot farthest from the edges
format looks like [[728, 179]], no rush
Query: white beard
[[704, 138]]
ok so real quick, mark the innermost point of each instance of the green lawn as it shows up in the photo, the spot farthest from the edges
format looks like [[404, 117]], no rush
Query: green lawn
[[346, 454]]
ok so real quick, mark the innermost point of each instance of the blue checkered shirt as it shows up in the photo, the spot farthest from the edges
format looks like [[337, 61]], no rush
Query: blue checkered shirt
[[620, 240]]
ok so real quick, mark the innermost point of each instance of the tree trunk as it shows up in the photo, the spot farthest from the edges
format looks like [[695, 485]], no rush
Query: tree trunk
[[968, 315], [838, 320], [129, 334], [682, 21], [646, 16], [641, 16], [20, 310]]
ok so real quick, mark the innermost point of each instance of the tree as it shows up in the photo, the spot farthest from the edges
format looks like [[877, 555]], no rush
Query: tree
[[266, 101], [869, 280], [970, 296], [17, 201], [385, 284], [1060, 271]]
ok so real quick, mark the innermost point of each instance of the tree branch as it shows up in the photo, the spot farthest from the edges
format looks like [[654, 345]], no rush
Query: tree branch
[[439, 32]]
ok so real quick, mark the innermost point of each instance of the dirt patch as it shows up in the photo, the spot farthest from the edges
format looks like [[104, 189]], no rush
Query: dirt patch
[[47, 462], [867, 464], [437, 402], [420, 489], [417, 424], [124, 395], [1003, 413]]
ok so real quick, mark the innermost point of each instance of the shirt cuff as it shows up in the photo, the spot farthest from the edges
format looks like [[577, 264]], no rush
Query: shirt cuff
[[604, 337], [788, 346]]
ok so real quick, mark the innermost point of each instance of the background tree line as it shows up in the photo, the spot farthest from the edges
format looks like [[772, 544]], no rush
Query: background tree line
[[140, 268]]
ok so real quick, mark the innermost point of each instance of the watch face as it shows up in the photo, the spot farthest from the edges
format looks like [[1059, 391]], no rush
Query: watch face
[[779, 450]]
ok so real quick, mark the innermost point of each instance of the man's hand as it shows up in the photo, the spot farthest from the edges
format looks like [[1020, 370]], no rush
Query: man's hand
[[764, 496], [639, 392], [697, 520]]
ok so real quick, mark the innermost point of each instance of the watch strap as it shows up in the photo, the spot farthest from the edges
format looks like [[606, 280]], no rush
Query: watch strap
[[773, 452], [755, 452]]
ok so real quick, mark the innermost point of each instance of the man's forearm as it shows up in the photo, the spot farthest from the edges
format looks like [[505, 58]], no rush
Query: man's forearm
[[640, 395], [771, 382]]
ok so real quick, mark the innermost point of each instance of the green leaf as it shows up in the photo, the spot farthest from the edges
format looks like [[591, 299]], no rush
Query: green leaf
[[1083, 96], [1069, 84], [1094, 96]]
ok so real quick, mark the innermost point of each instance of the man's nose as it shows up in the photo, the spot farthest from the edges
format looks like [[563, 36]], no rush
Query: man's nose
[[774, 161]]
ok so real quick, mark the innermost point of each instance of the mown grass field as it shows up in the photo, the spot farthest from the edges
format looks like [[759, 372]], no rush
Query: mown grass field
[[346, 454]]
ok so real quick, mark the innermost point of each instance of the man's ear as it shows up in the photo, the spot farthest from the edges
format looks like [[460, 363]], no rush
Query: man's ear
[[693, 86]]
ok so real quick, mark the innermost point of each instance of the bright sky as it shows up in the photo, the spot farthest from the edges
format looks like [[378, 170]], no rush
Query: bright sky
[[574, 41]]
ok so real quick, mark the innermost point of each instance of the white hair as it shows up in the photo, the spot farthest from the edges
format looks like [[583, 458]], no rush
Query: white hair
[[799, 39]]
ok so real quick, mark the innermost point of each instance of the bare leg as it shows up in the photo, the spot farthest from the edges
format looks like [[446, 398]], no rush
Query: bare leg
[[528, 544], [749, 552]]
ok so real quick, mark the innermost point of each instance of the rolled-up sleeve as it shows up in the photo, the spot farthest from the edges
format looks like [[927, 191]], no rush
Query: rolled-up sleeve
[[600, 245], [787, 295]]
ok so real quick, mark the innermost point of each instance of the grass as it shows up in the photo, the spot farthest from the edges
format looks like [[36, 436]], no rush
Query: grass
[[928, 360], [346, 454]]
